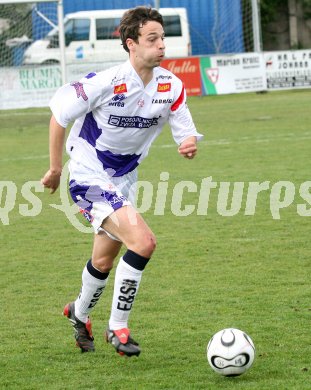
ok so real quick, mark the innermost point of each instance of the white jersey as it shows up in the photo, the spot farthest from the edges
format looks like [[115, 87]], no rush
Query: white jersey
[[116, 118]]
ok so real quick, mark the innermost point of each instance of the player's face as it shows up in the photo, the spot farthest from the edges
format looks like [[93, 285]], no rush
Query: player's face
[[150, 49]]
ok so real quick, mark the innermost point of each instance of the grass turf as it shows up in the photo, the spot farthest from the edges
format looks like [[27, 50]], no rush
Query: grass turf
[[209, 271]]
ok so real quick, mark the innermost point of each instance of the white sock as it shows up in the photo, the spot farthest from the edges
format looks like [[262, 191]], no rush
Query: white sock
[[126, 285], [93, 285]]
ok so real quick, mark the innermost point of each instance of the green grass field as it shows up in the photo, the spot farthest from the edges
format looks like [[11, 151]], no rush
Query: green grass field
[[209, 271]]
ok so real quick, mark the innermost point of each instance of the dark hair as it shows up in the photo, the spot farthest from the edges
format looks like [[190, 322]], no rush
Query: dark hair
[[134, 19]]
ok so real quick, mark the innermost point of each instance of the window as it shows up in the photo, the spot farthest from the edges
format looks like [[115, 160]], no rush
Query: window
[[107, 28], [172, 26], [77, 30]]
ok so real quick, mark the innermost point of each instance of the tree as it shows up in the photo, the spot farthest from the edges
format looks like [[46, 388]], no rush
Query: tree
[[281, 22], [269, 9]]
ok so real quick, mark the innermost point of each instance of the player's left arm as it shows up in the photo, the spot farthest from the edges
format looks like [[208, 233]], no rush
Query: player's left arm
[[183, 128], [188, 148]]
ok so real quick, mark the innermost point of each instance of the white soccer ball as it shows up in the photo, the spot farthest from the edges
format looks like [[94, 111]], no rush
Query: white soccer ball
[[230, 352]]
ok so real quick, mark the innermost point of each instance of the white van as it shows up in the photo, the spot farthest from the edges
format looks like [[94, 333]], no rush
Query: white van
[[92, 36]]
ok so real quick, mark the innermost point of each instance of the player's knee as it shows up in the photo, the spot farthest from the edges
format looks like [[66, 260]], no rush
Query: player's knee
[[152, 244], [103, 264], [147, 245]]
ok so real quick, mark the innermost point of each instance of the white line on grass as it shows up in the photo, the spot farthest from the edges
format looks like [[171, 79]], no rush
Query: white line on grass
[[285, 137], [10, 114], [25, 158], [289, 136]]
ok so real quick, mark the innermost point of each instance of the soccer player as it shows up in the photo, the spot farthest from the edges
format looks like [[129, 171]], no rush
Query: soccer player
[[117, 113]]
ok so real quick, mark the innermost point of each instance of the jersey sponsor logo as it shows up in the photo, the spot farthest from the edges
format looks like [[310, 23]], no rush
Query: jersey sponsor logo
[[162, 101], [115, 80], [79, 90], [163, 77], [132, 121], [117, 101], [164, 87], [120, 89]]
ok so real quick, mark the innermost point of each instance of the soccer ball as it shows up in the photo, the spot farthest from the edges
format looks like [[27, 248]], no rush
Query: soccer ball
[[230, 352]]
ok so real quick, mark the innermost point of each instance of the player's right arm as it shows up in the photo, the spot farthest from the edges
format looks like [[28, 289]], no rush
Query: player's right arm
[[70, 102], [57, 138]]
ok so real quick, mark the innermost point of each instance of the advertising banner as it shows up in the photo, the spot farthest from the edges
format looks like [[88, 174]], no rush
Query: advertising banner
[[188, 70], [233, 73], [288, 69], [23, 87], [33, 86], [28, 87]]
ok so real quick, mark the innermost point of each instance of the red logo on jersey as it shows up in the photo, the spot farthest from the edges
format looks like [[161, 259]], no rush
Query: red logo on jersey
[[164, 87], [120, 88]]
